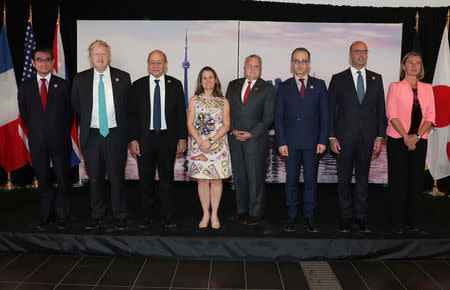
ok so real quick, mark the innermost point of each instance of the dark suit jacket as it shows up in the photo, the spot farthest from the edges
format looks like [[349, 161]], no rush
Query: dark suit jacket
[[82, 100], [301, 123], [349, 118], [56, 120], [175, 111], [256, 116]]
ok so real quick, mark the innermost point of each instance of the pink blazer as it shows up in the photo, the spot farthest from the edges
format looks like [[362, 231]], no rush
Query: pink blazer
[[399, 105]]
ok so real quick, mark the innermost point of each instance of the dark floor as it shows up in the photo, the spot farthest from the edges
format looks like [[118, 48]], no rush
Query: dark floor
[[93, 272]]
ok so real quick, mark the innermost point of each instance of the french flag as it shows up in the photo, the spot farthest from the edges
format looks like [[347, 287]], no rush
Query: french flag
[[60, 70]]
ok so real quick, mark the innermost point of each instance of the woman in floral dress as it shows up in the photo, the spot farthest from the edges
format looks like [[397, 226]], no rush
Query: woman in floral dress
[[208, 121]]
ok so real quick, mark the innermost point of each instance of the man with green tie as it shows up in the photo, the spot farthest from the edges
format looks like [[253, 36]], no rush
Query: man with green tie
[[99, 98]]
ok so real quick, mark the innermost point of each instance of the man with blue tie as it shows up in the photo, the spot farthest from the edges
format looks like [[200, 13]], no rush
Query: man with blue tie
[[158, 114], [99, 98], [301, 127], [357, 129]]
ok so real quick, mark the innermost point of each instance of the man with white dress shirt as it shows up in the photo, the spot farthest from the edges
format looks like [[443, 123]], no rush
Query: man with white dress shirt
[[357, 129], [99, 98], [158, 131], [44, 105]]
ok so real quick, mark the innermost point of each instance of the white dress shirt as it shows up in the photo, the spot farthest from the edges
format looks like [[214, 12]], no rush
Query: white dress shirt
[[47, 83], [162, 90], [299, 83], [109, 98], [244, 88], [355, 77]]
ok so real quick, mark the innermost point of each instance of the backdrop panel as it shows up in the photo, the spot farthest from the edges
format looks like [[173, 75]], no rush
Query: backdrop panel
[[224, 46]]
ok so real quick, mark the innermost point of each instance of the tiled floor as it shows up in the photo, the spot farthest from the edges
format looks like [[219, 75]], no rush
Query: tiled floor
[[91, 272]]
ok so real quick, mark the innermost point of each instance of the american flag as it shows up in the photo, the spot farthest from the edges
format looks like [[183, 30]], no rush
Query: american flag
[[30, 45], [28, 72]]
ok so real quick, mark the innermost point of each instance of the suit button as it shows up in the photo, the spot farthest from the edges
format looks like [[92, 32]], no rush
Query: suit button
[[298, 119]]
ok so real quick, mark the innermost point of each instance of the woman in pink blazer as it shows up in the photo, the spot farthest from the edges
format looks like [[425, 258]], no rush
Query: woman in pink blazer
[[410, 112]]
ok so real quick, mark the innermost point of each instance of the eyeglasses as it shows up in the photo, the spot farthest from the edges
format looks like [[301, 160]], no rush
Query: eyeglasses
[[302, 61], [41, 60], [361, 51]]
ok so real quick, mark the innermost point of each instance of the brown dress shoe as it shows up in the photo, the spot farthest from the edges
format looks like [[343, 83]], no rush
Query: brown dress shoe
[[253, 220]]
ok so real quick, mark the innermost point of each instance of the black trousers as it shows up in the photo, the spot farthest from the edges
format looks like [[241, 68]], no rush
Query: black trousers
[[106, 155], [43, 148], [156, 153], [406, 178], [358, 155]]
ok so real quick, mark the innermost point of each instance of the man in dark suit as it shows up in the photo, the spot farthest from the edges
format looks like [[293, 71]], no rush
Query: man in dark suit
[[357, 129], [251, 107], [44, 105], [158, 114], [301, 126], [99, 97]]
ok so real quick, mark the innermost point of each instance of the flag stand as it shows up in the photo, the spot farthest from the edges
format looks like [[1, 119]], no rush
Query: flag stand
[[9, 185], [34, 184], [435, 191]]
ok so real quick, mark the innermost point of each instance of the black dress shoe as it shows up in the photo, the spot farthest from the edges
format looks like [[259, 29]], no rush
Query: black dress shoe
[[61, 224], [310, 226], [121, 224], [253, 220], [169, 222], [235, 217], [145, 223], [398, 230], [363, 227], [93, 224], [345, 227], [414, 230], [42, 226], [290, 225]]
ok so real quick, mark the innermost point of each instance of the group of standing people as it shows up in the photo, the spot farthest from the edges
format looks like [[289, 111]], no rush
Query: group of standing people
[[227, 135]]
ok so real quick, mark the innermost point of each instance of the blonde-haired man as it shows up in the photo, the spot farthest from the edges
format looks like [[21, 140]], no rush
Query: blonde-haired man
[[99, 98]]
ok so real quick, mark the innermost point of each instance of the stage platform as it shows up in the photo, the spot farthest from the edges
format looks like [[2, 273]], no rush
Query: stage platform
[[19, 212]]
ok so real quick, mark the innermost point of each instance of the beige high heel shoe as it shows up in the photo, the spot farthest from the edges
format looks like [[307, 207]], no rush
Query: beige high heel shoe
[[215, 224], [203, 223]]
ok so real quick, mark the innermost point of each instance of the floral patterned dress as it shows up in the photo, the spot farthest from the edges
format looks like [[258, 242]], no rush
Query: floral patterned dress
[[208, 120]]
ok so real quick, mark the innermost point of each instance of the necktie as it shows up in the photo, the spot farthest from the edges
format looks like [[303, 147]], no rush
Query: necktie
[[43, 93], [102, 115], [247, 92], [360, 87], [302, 89], [157, 107]]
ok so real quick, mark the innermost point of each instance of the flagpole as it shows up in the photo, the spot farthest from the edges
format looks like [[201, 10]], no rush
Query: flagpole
[[34, 184], [417, 21]]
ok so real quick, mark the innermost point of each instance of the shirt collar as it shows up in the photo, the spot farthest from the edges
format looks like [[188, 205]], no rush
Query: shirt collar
[[161, 78], [354, 70], [47, 77], [296, 78], [105, 73]]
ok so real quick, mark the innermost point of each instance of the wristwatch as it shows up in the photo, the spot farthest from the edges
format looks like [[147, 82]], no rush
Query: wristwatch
[[418, 136]]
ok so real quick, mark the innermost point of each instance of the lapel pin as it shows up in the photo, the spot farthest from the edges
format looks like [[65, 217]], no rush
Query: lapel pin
[[169, 81], [373, 78], [117, 79], [256, 88], [55, 85], [311, 87]]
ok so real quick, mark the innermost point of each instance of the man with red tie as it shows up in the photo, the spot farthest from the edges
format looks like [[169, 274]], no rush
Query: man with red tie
[[251, 108], [301, 127], [44, 105]]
